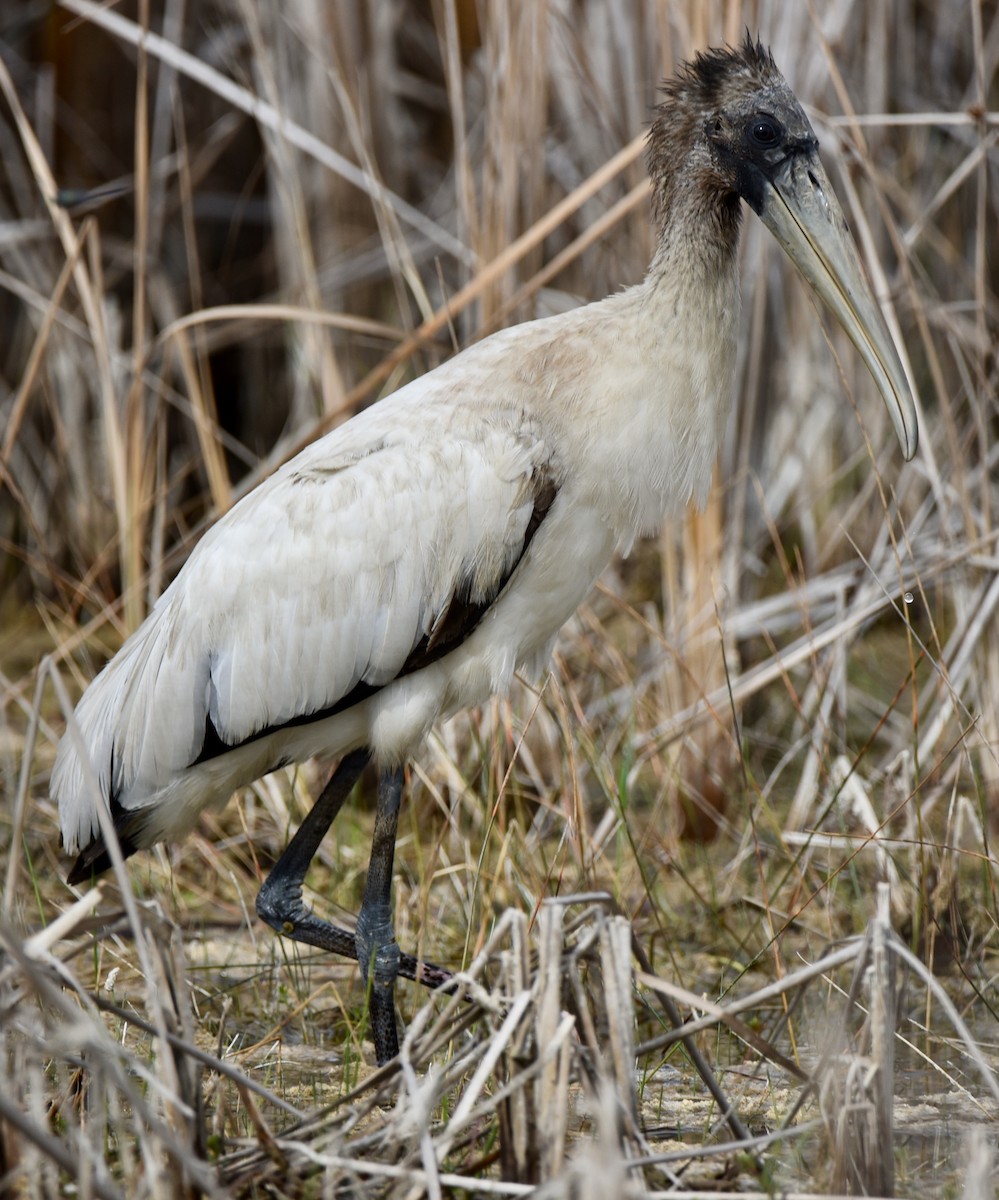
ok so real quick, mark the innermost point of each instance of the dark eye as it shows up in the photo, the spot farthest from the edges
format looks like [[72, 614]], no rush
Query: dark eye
[[764, 131]]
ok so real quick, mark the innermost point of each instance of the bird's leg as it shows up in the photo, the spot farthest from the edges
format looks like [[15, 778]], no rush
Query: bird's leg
[[377, 950], [279, 901]]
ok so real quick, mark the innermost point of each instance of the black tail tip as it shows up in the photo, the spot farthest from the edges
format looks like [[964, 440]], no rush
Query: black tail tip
[[94, 860], [89, 863]]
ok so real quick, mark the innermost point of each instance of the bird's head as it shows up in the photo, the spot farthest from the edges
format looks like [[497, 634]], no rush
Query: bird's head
[[730, 128]]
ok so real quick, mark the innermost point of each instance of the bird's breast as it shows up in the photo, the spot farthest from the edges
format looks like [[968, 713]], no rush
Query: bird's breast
[[656, 407]]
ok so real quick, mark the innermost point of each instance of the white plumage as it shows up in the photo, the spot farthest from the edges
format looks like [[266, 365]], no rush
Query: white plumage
[[332, 571]]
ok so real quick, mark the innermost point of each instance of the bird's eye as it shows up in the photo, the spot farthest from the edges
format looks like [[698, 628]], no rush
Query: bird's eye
[[764, 131]]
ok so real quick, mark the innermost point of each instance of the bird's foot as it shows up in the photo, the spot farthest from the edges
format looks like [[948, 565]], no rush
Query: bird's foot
[[282, 908], [280, 905]]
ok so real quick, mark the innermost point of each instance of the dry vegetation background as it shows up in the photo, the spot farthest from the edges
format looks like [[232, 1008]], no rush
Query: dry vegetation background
[[216, 246]]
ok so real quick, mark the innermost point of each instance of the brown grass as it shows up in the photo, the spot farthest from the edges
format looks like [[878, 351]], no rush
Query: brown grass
[[216, 246]]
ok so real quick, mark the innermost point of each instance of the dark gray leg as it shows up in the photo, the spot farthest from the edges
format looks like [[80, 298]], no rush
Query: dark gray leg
[[279, 902], [377, 950]]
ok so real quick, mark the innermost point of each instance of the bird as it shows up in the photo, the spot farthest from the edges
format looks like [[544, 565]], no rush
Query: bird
[[405, 565]]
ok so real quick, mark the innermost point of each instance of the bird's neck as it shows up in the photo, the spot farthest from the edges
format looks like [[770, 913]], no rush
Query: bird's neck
[[653, 380], [697, 230]]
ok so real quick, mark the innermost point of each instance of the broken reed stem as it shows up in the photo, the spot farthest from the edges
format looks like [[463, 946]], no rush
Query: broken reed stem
[[857, 1089], [517, 1126], [619, 1002], [551, 1089], [883, 1009]]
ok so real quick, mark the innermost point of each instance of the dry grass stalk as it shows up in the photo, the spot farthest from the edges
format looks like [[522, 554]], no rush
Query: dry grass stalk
[[880, 1174], [857, 1093], [552, 1064], [529, 1044], [980, 1175]]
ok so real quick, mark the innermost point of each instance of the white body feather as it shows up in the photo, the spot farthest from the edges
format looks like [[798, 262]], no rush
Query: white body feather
[[330, 573]]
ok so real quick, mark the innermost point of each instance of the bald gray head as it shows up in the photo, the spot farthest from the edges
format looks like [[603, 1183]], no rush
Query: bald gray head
[[726, 123]]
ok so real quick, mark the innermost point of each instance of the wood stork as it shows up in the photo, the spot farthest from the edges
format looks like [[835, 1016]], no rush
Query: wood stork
[[404, 566]]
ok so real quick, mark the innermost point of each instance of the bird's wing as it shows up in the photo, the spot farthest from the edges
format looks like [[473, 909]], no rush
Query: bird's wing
[[372, 552]]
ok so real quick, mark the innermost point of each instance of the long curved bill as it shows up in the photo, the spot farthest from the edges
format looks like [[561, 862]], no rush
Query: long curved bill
[[803, 214]]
